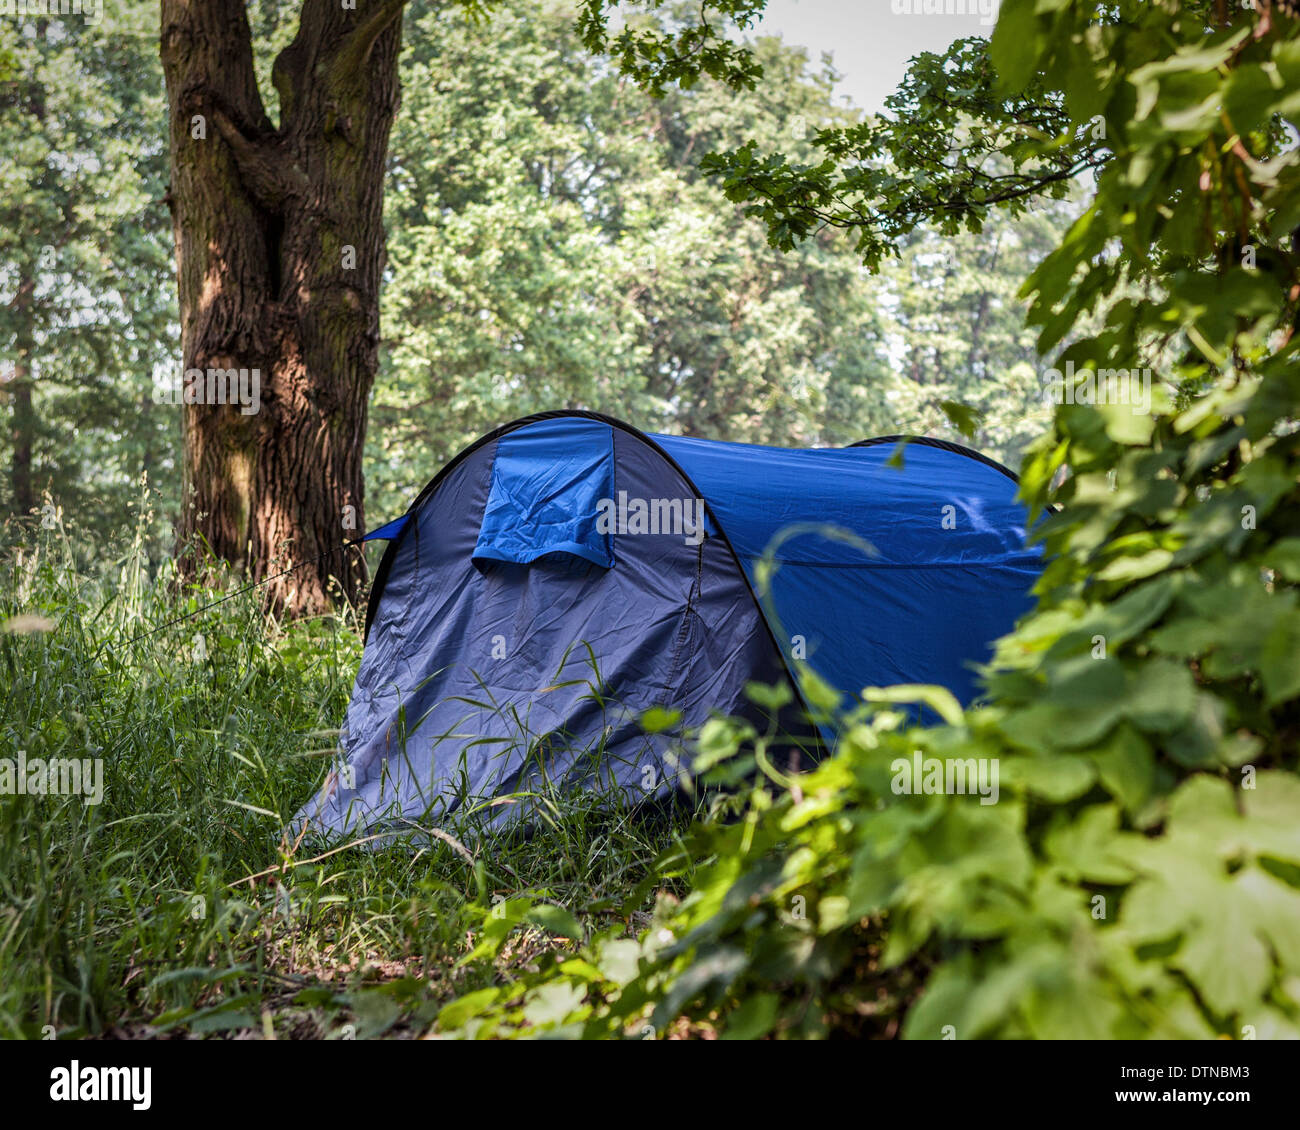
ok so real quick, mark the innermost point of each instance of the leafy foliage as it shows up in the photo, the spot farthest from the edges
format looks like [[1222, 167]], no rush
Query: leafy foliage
[[949, 151], [655, 56], [560, 248], [86, 310], [552, 242], [1139, 874]]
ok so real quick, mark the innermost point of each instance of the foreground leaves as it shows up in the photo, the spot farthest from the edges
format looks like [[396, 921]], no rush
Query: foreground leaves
[[1133, 869]]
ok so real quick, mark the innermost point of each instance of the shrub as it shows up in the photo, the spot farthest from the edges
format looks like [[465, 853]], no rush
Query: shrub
[[1139, 874]]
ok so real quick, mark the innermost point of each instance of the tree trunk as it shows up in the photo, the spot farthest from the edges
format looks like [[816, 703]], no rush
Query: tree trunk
[[279, 254]]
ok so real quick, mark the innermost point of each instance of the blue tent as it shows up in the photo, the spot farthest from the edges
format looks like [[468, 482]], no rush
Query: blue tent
[[567, 573]]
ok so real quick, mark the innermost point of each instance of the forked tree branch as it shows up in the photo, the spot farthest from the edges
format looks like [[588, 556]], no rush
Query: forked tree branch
[[355, 49], [271, 179]]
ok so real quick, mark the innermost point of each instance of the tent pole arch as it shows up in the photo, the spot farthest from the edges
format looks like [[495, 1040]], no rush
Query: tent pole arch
[[390, 553], [942, 445]]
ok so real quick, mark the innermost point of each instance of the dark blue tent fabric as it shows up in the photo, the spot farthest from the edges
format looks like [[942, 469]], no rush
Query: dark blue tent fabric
[[568, 573], [486, 682]]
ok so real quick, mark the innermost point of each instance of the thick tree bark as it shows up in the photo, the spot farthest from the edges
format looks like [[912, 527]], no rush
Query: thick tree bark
[[279, 255]]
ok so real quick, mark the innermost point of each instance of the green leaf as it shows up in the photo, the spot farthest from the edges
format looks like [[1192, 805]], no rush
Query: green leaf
[[1270, 815], [1279, 660], [1274, 907], [656, 720], [940, 1012], [770, 697], [965, 419], [715, 966], [1016, 44], [1055, 777], [556, 920], [375, 1010], [754, 1018], [1137, 567], [1225, 959], [1162, 697], [817, 692], [1284, 556], [553, 1003], [719, 740], [455, 1013], [619, 959], [1127, 767], [1087, 847]]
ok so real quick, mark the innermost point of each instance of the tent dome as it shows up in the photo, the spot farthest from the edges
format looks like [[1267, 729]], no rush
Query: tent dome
[[567, 573]]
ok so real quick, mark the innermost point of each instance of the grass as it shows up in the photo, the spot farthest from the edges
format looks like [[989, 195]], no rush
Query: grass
[[176, 907]]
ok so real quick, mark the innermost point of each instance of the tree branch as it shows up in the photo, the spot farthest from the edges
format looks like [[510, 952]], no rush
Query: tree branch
[[355, 49], [271, 180]]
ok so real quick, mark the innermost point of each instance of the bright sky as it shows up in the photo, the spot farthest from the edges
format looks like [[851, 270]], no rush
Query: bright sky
[[870, 42]]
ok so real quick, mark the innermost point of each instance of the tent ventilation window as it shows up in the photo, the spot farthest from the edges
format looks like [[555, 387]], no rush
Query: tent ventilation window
[[546, 488]]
